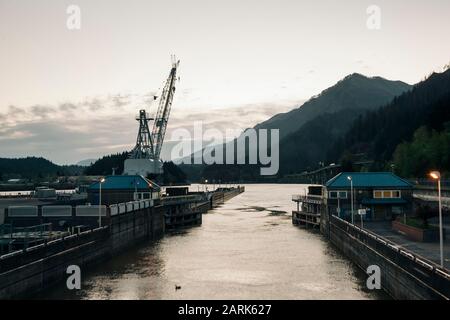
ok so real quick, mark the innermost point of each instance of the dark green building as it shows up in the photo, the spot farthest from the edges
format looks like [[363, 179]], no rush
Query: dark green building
[[383, 194]]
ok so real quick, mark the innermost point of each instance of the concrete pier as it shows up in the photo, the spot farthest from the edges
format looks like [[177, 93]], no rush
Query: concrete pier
[[404, 274]]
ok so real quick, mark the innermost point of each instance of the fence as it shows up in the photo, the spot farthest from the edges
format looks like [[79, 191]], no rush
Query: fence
[[427, 271], [182, 199], [49, 247], [429, 182], [120, 208]]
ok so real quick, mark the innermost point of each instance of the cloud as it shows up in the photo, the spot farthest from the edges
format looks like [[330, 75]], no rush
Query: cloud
[[73, 131], [42, 111], [67, 107], [94, 104], [120, 101]]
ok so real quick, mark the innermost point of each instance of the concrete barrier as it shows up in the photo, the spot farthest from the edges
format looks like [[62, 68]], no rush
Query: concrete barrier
[[24, 273], [57, 211], [404, 275], [90, 211], [23, 211]]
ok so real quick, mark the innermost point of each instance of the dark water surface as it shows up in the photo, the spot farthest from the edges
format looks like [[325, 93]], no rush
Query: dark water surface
[[245, 249]]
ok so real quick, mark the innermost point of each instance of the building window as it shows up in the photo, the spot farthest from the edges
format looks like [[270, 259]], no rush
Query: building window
[[386, 194], [338, 194]]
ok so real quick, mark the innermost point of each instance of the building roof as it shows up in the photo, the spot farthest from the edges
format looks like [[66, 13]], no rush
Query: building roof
[[125, 183], [368, 180]]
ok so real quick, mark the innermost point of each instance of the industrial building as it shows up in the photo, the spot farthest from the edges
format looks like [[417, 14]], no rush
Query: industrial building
[[383, 195], [120, 189]]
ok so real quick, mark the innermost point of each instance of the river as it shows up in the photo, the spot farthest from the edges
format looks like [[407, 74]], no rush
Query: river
[[245, 249]]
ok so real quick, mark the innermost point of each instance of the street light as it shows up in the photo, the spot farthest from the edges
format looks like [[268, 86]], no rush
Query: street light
[[351, 194], [436, 175], [100, 204]]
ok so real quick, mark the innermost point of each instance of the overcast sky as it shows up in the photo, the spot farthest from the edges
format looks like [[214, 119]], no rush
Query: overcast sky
[[69, 95]]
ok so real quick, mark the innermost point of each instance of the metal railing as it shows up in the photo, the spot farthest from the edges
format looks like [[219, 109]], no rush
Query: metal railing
[[300, 197], [182, 199], [428, 182], [49, 247], [427, 271]]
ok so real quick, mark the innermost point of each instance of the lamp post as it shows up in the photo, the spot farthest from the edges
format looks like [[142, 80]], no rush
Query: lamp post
[[100, 204], [436, 175], [351, 195]]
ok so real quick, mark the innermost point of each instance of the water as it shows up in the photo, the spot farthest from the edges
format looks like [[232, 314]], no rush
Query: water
[[246, 249]]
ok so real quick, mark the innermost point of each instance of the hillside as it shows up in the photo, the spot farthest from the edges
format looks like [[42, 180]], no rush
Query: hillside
[[305, 148], [377, 134], [33, 168], [308, 132], [355, 91]]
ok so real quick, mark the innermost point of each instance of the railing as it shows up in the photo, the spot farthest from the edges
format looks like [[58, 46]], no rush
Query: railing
[[301, 197], [306, 217], [429, 182], [427, 271], [182, 199], [121, 208], [49, 247]]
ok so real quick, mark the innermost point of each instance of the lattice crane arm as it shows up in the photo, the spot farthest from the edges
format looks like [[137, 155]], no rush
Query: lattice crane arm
[[163, 113]]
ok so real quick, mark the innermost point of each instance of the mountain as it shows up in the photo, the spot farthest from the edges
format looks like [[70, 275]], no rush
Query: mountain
[[377, 134], [105, 165], [307, 132], [306, 147], [86, 162], [33, 168], [355, 91]]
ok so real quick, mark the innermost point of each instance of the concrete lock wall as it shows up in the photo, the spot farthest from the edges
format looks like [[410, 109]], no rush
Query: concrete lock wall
[[398, 282], [28, 272]]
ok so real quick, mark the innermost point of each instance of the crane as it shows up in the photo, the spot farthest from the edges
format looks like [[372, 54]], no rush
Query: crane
[[144, 159], [165, 104]]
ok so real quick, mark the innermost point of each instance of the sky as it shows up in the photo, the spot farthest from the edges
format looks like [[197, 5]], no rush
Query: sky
[[69, 95]]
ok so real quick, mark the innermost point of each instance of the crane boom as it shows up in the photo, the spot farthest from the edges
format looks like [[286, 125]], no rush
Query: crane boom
[[144, 159], [162, 115]]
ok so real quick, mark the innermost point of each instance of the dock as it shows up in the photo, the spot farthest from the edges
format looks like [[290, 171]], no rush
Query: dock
[[309, 208], [406, 273]]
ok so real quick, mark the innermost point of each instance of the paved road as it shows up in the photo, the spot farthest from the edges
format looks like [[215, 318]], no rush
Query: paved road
[[428, 250]]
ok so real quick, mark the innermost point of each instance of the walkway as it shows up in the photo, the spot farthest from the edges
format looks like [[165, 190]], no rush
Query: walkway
[[428, 250]]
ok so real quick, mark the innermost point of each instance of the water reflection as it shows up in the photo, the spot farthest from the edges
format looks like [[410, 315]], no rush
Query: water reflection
[[246, 249]]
